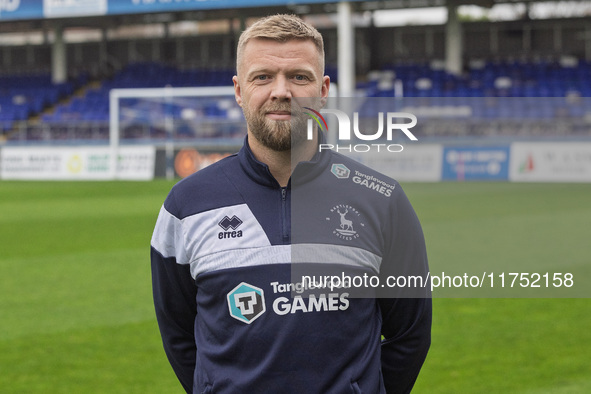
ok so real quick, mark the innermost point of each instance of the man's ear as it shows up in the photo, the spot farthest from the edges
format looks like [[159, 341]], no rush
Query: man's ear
[[324, 90], [237, 92]]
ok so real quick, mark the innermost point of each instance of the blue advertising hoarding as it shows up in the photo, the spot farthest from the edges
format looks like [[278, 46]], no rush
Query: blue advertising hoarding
[[39, 9], [141, 6], [21, 9], [476, 163]]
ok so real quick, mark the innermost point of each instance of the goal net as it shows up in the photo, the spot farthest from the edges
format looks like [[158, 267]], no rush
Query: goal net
[[170, 118]]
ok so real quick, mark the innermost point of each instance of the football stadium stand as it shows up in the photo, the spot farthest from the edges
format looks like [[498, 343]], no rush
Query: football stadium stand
[[22, 96], [80, 110], [500, 79]]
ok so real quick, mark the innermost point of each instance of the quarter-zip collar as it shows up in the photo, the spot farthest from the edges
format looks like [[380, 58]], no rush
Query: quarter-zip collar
[[260, 173], [256, 170]]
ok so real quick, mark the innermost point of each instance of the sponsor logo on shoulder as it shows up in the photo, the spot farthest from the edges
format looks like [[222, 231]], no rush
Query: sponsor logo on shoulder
[[230, 226], [340, 171], [369, 181], [373, 183]]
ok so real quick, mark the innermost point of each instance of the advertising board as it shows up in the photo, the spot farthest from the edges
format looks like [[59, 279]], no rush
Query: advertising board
[[39, 9], [476, 163], [416, 163], [551, 162], [76, 163]]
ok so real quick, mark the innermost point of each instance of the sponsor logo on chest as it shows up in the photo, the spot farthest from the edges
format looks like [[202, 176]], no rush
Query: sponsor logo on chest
[[246, 302]]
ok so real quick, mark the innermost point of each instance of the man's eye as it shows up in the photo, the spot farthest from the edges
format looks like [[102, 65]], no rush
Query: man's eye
[[301, 77], [261, 77]]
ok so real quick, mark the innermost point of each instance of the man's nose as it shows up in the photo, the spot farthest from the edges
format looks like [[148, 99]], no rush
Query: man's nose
[[281, 89]]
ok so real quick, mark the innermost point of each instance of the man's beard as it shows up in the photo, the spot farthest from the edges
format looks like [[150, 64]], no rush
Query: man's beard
[[278, 135]]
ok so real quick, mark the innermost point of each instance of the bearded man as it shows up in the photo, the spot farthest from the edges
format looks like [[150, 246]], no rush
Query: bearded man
[[230, 312]]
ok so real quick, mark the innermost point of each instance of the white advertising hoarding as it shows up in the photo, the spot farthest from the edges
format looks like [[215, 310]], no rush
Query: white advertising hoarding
[[416, 163], [550, 162], [66, 8], [76, 163]]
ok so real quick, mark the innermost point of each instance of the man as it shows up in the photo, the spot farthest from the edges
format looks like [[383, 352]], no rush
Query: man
[[230, 312]]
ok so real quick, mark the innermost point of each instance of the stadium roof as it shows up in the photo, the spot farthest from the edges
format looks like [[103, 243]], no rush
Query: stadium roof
[[242, 9]]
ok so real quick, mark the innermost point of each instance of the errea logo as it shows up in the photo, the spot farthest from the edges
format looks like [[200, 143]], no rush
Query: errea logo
[[246, 302], [230, 223]]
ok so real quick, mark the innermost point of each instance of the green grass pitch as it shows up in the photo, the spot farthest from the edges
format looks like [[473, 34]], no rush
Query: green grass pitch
[[76, 313]]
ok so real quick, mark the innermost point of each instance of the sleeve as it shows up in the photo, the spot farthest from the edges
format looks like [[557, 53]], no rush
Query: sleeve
[[406, 312], [174, 294]]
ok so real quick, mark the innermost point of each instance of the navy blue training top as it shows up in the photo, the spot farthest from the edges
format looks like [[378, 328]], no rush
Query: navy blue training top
[[233, 255]]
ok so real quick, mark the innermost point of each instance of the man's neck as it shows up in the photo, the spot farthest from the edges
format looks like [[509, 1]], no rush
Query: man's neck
[[281, 164]]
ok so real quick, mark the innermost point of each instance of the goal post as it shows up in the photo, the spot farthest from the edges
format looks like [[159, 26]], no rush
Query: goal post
[[168, 116]]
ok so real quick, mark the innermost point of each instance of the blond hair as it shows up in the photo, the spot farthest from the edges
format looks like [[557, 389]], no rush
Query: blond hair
[[280, 28]]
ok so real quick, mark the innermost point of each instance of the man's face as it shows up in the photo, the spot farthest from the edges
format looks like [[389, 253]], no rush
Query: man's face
[[270, 75]]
